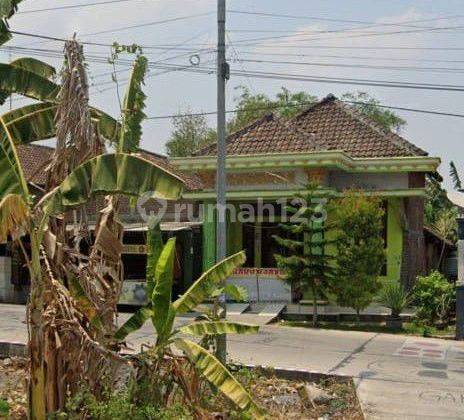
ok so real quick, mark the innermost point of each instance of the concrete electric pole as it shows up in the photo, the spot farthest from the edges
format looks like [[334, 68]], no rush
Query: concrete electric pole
[[221, 229], [457, 198]]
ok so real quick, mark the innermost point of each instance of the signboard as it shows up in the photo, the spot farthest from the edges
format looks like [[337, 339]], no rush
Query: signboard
[[260, 272], [134, 249]]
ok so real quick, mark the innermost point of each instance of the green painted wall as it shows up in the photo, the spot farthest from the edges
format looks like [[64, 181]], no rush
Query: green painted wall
[[234, 237], [394, 239], [209, 236]]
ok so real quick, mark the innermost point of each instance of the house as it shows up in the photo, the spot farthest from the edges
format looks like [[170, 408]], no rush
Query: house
[[268, 161], [330, 143]]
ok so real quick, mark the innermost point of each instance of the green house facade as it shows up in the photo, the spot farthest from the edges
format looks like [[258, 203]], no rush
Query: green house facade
[[272, 159]]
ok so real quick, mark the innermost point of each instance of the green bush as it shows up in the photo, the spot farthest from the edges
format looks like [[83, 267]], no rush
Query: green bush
[[394, 296], [434, 297]]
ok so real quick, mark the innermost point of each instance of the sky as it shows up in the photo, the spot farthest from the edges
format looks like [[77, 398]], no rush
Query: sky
[[342, 33]]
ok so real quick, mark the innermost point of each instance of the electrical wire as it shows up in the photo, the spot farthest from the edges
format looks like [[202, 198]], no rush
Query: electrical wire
[[72, 6], [361, 66], [305, 104]]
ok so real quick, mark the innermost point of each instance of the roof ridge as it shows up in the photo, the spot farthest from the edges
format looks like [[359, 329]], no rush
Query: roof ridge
[[374, 125], [161, 156]]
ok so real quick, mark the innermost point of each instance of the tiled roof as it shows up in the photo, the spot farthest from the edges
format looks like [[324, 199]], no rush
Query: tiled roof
[[34, 158], [269, 134], [342, 127], [191, 181], [327, 125]]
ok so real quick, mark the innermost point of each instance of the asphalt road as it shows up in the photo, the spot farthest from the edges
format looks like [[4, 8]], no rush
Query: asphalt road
[[398, 377]]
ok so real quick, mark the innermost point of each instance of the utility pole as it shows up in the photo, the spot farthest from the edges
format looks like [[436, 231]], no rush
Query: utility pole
[[221, 229]]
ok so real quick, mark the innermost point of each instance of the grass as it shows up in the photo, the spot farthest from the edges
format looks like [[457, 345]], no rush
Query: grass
[[409, 328]]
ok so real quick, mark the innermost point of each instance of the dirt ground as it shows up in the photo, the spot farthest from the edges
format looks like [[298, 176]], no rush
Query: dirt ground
[[282, 399]]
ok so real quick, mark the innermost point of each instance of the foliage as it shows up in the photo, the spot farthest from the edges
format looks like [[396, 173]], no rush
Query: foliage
[[190, 133], [433, 297], [436, 200], [120, 406], [371, 107], [4, 408], [254, 106], [163, 313], [454, 174], [360, 249], [305, 258], [446, 226], [394, 296], [133, 106]]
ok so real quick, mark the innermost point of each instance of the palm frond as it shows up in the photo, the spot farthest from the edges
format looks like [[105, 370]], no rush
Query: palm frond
[[455, 176]]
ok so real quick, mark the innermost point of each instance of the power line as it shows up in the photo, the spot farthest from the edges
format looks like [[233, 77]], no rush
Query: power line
[[350, 57], [270, 108], [323, 19], [72, 6], [362, 66], [362, 35]]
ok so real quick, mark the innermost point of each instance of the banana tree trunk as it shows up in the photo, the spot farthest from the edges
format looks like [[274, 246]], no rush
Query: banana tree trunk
[[37, 382]]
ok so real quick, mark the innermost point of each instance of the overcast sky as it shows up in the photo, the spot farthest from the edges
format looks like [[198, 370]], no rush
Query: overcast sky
[[172, 92]]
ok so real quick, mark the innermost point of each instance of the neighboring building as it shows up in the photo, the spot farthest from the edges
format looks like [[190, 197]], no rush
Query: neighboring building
[[268, 161], [330, 143]]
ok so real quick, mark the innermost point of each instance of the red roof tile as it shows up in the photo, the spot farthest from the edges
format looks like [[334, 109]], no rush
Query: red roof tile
[[34, 158], [269, 134], [327, 125]]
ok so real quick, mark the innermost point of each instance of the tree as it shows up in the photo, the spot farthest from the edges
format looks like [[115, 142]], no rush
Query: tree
[[305, 258], [360, 249], [251, 107], [436, 199], [191, 132], [371, 107], [446, 226]]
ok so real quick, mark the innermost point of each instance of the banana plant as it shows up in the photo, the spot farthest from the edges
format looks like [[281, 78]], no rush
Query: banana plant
[[104, 175], [162, 311]]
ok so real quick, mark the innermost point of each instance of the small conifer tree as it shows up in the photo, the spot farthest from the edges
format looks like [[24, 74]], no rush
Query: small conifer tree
[[305, 261]]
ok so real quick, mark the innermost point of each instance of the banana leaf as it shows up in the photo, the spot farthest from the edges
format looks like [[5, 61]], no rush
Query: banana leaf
[[154, 247], [14, 216], [134, 323], [132, 109], [28, 124], [208, 282], [35, 66], [7, 9], [161, 298], [26, 83], [216, 373], [110, 174], [203, 328], [85, 304]]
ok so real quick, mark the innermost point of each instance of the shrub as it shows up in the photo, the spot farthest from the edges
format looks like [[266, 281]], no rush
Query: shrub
[[433, 297], [360, 249], [394, 296]]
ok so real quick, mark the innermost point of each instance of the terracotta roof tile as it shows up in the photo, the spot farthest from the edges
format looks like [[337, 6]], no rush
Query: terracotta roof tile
[[327, 125], [269, 134], [34, 158], [342, 127]]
